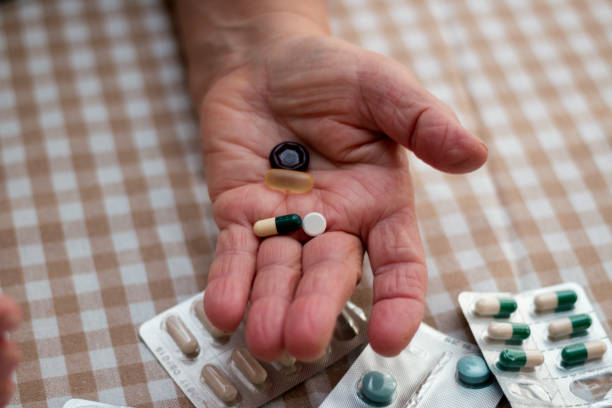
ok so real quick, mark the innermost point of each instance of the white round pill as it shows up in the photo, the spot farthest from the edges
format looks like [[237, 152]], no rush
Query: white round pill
[[314, 224]]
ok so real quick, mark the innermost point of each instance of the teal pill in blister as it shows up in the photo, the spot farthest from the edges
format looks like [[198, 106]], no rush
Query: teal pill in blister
[[377, 388], [473, 370]]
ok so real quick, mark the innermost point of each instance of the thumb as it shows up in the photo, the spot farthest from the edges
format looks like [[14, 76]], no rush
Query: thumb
[[394, 102]]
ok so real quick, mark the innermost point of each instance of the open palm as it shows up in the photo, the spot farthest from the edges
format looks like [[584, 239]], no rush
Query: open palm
[[355, 112]]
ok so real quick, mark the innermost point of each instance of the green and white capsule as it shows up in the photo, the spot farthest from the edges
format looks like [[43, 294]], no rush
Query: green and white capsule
[[559, 300], [277, 225], [569, 325], [496, 307], [516, 359], [508, 331], [583, 352]]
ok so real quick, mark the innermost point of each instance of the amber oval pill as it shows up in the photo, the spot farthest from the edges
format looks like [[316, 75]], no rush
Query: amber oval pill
[[249, 366], [219, 383], [289, 156], [289, 180], [182, 336]]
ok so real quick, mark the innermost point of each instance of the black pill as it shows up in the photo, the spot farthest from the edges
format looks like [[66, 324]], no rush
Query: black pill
[[289, 156]]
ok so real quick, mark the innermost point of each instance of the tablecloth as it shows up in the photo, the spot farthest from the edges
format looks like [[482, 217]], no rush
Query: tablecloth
[[105, 219]]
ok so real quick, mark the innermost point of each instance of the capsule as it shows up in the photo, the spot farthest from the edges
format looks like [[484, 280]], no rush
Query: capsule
[[219, 383], [569, 325], [558, 301], [289, 180], [582, 352], [287, 360], [182, 336], [249, 366], [277, 225], [508, 331], [201, 315], [496, 307], [517, 359]]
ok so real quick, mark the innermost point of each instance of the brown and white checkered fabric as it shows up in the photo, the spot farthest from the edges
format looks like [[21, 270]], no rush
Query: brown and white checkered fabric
[[104, 215]]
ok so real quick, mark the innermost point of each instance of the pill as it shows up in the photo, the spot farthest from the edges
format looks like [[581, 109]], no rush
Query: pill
[[516, 359], [497, 307], [277, 225], [219, 383], [508, 331], [289, 180], [249, 366], [569, 325], [314, 224], [182, 336], [201, 315], [558, 300], [473, 370], [289, 156], [581, 352], [287, 360], [378, 388]]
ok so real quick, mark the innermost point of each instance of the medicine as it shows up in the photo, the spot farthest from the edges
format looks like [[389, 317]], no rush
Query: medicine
[[473, 370], [558, 301], [314, 224], [582, 352], [287, 360], [278, 225], [249, 366], [289, 156], [496, 307], [378, 388], [182, 336], [508, 331], [569, 325], [516, 359], [201, 315], [289, 180], [219, 383]]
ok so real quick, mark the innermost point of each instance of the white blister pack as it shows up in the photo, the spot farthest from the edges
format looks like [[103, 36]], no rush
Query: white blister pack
[[81, 403], [215, 369], [425, 375], [545, 346]]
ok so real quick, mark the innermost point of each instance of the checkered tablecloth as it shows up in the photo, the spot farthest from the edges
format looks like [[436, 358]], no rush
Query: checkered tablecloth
[[105, 219]]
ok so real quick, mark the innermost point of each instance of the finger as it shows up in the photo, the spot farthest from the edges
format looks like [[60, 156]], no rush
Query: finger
[[7, 387], [331, 267], [396, 104], [10, 314], [230, 277], [400, 282], [9, 358], [278, 272]]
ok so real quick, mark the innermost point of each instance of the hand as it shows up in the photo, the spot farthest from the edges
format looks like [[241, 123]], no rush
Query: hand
[[10, 317], [353, 110]]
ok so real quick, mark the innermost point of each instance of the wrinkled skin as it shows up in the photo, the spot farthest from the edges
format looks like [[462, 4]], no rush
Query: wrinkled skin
[[10, 317], [356, 112]]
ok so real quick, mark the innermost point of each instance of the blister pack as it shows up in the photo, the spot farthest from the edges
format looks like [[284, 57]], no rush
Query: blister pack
[[81, 403], [424, 374], [215, 369], [545, 346]]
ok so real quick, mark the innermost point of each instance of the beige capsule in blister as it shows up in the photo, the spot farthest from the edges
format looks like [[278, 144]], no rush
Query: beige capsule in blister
[[182, 336], [219, 383], [201, 315], [249, 366]]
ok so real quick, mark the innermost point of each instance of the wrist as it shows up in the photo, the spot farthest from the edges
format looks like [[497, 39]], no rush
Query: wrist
[[219, 36]]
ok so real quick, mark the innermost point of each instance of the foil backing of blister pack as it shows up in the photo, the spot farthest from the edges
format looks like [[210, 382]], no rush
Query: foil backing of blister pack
[[425, 372], [549, 384], [186, 372]]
